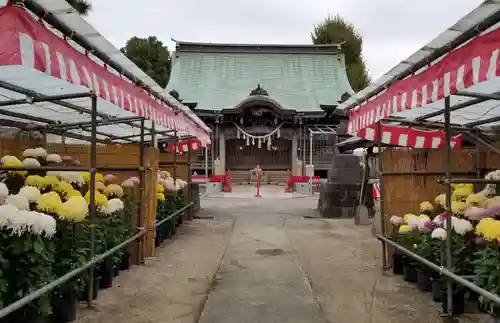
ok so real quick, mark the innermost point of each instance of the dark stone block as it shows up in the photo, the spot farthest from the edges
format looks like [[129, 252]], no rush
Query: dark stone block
[[340, 195]]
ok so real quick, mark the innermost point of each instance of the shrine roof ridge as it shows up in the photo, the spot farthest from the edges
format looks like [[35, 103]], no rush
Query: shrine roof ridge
[[199, 47]]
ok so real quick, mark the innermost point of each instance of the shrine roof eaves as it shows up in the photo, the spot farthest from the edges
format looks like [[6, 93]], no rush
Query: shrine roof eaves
[[194, 47]]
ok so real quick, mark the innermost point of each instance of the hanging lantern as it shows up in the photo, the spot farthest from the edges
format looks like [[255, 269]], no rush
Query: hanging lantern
[[241, 120], [275, 120], [238, 133], [278, 133], [247, 140], [259, 143], [269, 143], [253, 141]]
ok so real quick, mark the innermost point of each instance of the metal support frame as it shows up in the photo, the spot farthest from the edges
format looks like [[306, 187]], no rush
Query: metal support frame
[[58, 128], [447, 263], [68, 105]]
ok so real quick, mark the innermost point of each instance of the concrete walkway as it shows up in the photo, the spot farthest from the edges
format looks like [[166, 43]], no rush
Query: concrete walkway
[[260, 278]]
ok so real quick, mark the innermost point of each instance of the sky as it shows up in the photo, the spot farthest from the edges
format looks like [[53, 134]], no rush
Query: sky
[[392, 29]]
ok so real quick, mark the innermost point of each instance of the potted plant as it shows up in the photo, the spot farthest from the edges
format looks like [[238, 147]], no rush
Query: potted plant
[[486, 264], [26, 261]]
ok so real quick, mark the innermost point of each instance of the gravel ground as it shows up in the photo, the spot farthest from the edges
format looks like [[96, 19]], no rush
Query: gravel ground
[[340, 263], [343, 263], [172, 287]]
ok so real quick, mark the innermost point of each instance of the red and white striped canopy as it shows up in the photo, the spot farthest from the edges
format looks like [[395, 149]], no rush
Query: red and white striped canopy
[[185, 145], [29, 44], [408, 137]]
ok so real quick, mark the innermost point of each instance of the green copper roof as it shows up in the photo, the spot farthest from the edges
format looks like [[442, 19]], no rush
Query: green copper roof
[[220, 76]]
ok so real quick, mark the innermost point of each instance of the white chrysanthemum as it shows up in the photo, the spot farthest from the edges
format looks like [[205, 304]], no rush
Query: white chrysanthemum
[[19, 201], [7, 158], [30, 152], [413, 222], [170, 185], [113, 206], [42, 224], [54, 158], [40, 152], [4, 190], [454, 220], [6, 213], [31, 162], [32, 193], [462, 226], [180, 183], [439, 233], [72, 177]]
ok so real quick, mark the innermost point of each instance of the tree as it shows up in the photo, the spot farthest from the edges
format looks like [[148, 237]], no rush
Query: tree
[[150, 55], [336, 30], [83, 7]]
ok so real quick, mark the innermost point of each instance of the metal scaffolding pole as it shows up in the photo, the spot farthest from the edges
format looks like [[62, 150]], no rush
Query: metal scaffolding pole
[[92, 189], [447, 161]]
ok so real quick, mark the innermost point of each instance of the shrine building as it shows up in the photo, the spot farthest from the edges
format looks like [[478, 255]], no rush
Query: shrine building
[[267, 105]]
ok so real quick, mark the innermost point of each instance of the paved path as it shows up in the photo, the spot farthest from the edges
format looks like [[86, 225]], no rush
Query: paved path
[[260, 278]]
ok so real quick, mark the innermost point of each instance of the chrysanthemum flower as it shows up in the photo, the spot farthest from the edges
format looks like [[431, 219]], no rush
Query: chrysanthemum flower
[[49, 203], [113, 190]]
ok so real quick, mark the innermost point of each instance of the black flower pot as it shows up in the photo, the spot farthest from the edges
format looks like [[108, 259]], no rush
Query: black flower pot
[[398, 261], [436, 287], [64, 308], [473, 296], [423, 281], [458, 301], [409, 272], [125, 263], [95, 290], [106, 273]]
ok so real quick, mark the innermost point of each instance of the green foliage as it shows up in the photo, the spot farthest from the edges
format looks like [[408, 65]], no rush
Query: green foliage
[[71, 252], [336, 30], [487, 271], [83, 7], [150, 55], [26, 265]]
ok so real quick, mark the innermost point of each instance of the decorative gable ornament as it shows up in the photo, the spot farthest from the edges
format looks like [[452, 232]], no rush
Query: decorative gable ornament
[[259, 91]]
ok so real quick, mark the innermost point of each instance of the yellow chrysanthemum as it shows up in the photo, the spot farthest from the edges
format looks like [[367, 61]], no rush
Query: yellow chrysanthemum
[[98, 177], [424, 217], [34, 180], [113, 190], [403, 228], [478, 200], [101, 201], [407, 216], [159, 188], [72, 193], [15, 163], [50, 181], [100, 186], [160, 196], [458, 207], [426, 206], [74, 209], [440, 199], [63, 188], [49, 203], [489, 229], [461, 193]]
